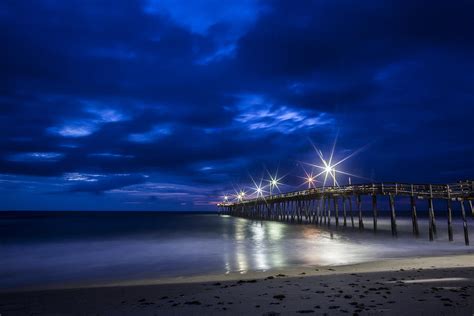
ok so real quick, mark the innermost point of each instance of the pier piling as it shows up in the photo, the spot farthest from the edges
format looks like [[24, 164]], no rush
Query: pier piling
[[414, 217], [374, 210], [329, 211], [359, 207], [432, 223], [344, 213], [393, 218], [350, 210], [464, 223], [450, 218]]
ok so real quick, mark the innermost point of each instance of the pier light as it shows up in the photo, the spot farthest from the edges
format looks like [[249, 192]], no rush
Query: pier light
[[240, 196], [226, 198], [310, 180], [274, 182], [329, 167], [259, 191]]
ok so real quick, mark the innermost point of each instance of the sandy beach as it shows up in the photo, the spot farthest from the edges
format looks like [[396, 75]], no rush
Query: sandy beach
[[409, 286]]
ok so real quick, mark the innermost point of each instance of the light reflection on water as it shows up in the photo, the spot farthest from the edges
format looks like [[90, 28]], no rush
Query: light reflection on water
[[82, 249]]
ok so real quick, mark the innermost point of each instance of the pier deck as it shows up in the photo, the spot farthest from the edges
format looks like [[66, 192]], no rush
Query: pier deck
[[322, 205]]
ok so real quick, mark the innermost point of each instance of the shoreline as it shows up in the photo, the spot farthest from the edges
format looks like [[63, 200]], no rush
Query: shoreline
[[423, 285], [385, 265]]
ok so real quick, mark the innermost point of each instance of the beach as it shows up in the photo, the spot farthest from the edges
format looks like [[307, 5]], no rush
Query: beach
[[204, 264], [416, 286]]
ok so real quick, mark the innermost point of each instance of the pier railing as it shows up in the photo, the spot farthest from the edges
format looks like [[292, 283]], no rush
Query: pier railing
[[313, 206]]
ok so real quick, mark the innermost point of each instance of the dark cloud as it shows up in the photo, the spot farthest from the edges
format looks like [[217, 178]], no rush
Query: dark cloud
[[128, 98], [100, 183]]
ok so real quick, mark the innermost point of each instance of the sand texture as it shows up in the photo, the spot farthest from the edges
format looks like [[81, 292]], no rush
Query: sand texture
[[415, 286]]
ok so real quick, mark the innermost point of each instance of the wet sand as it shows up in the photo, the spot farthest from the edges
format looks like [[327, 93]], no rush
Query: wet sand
[[414, 286]]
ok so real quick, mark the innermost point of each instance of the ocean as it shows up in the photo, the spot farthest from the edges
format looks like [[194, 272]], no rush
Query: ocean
[[66, 249]]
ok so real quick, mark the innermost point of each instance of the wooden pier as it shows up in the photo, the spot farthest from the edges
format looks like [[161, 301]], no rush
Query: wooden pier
[[322, 206]]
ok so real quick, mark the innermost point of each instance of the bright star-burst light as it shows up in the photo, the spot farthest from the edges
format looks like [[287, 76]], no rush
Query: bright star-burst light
[[328, 167], [274, 182], [239, 196], [309, 179], [259, 189]]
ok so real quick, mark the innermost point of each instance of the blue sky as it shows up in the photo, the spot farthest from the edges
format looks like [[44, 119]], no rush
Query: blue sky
[[168, 105]]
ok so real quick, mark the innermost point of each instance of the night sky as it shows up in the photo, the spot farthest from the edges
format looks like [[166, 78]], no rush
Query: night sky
[[167, 105]]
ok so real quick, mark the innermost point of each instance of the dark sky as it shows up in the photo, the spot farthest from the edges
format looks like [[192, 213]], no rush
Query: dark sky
[[167, 105]]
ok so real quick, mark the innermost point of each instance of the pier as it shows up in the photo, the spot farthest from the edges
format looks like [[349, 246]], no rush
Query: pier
[[342, 205]]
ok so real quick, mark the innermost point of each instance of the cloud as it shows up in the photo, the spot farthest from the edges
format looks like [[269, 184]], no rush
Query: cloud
[[158, 131], [81, 127], [36, 157], [75, 128], [200, 16], [163, 191], [257, 113], [110, 156], [105, 114], [101, 183], [226, 51], [76, 176]]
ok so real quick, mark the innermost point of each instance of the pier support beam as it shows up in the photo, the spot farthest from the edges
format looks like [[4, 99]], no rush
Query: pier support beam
[[329, 210], [288, 211], [414, 217], [320, 210], [309, 211], [374, 210], [315, 205], [283, 211], [344, 213], [464, 223], [292, 212], [325, 211], [298, 209], [350, 211], [450, 216], [432, 224], [336, 211], [301, 211], [359, 206], [393, 215]]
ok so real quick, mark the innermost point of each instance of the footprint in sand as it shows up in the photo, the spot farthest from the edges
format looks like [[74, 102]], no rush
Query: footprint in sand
[[279, 296]]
